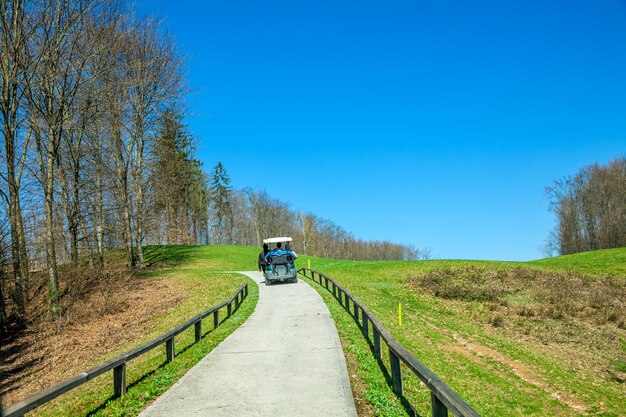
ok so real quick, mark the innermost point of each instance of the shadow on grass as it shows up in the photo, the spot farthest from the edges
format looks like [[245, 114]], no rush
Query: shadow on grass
[[383, 368], [146, 376], [170, 255]]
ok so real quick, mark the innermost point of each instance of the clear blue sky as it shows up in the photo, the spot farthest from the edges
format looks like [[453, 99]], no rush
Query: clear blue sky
[[434, 123]]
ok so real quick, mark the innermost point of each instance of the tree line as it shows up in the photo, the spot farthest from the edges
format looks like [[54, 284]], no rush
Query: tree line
[[93, 140], [590, 209], [245, 217], [96, 154]]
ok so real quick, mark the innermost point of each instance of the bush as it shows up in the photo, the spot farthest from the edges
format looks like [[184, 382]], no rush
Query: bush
[[545, 293]]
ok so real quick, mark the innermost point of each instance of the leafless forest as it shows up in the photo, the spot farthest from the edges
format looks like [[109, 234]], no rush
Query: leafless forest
[[590, 208], [96, 155]]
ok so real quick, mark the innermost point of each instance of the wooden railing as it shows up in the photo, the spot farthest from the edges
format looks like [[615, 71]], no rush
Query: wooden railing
[[118, 364], [442, 397]]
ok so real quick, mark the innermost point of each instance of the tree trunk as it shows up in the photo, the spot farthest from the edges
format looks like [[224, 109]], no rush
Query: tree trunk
[[20, 287], [122, 177], [17, 251], [3, 311], [71, 218], [139, 231], [74, 221], [99, 214], [53, 275], [24, 263], [139, 196]]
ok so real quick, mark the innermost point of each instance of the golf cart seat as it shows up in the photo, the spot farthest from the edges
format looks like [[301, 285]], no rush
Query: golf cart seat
[[284, 259]]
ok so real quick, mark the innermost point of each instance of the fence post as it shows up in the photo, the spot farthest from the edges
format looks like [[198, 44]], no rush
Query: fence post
[[198, 330], [119, 380], [229, 307], [326, 282], [356, 312], [236, 301], [396, 373], [334, 290], [216, 319], [365, 327], [438, 408], [169, 349], [377, 350], [347, 302]]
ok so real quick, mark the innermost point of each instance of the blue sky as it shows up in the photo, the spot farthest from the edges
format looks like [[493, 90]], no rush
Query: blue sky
[[432, 123]]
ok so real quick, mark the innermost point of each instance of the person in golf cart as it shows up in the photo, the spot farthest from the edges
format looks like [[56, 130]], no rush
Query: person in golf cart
[[262, 262], [280, 262], [278, 251]]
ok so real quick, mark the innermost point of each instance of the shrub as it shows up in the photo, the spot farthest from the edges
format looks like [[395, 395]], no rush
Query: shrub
[[546, 293]]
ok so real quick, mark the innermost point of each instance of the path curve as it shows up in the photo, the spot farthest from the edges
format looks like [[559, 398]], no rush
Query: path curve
[[285, 360]]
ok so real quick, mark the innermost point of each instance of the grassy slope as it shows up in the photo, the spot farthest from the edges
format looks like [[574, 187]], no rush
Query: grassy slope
[[199, 274], [601, 262], [444, 334], [527, 366]]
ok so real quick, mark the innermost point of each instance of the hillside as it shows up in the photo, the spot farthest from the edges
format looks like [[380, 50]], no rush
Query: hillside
[[107, 314], [599, 262], [512, 338]]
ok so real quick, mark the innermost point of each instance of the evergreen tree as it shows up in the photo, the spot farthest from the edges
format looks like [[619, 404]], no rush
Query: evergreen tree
[[178, 182], [220, 193]]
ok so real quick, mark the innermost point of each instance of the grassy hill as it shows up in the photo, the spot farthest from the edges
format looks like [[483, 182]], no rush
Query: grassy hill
[[518, 339], [599, 262], [180, 282], [538, 338]]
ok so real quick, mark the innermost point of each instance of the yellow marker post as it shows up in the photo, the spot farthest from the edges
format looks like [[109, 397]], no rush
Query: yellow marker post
[[400, 314], [309, 263]]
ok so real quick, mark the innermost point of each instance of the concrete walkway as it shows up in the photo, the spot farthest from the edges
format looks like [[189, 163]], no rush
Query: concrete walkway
[[285, 360]]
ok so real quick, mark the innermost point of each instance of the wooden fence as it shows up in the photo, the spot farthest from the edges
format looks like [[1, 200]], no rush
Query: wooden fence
[[442, 397], [118, 364]]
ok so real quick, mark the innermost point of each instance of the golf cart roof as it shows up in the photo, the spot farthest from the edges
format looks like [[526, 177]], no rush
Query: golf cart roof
[[277, 239]]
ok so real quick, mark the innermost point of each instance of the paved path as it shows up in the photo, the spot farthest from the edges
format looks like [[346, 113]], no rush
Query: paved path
[[285, 360]]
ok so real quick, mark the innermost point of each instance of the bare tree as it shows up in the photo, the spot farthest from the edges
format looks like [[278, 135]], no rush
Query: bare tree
[[590, 208], [14, 72], [58, 48], [154, 74]]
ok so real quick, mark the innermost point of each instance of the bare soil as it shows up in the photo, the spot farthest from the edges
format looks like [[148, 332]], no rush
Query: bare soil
[[100, 313], [476, 352]]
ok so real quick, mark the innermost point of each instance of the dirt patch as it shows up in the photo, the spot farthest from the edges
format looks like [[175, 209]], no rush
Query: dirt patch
[[476, 352], [95, 323]]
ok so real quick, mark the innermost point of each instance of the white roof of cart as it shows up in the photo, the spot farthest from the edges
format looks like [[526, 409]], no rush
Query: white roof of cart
[[277, 239]]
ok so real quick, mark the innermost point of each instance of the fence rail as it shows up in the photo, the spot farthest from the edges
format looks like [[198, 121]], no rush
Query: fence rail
[[118, 363], [443, 398]]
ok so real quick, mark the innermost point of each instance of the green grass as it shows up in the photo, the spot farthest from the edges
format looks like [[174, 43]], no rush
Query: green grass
[[517, 365], [600, 262], [199, 272], [214, 258], [569, 358], [379, 394]]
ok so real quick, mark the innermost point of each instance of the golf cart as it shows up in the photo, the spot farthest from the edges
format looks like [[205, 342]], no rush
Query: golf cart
[[280, 266]]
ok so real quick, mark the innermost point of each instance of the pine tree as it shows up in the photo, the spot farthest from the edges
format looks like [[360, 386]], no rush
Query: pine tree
[[220, 194]]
